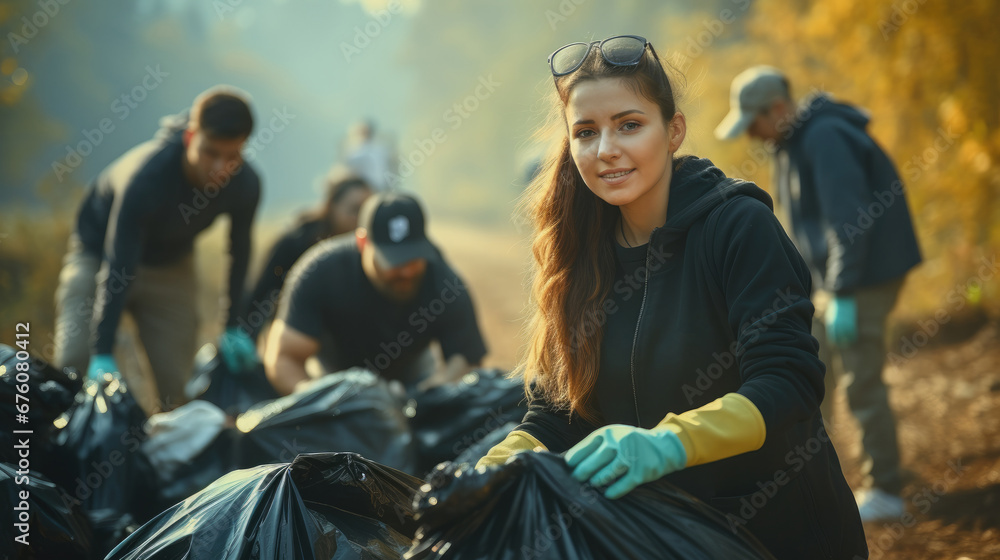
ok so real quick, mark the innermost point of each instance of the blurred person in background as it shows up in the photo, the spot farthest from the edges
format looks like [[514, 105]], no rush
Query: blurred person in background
[[365, 156], [132, 245], [375, 299], [338, 214], [846, 208], [651, 269]]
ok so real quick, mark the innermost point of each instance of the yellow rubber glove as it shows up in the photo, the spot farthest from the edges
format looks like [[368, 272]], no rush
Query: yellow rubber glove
[[515, 442], [723, 428]]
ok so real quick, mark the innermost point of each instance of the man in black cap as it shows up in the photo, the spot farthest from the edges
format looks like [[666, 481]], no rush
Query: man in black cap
[[375, 299], [846, 207]]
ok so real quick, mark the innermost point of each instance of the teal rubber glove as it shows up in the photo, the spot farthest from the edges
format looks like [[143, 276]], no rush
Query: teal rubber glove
[[842, 320], [627, 456], [101, 364], [238, 351]]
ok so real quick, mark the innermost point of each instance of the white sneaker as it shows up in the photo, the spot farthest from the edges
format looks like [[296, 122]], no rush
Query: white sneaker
[[878, 505]]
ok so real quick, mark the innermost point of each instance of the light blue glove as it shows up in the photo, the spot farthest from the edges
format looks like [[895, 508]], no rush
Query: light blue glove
[[631, 455], [842, 320], [238, 351], [101, 364]]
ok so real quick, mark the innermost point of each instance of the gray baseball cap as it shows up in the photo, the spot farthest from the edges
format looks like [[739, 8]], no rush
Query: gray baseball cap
[[752, 91]]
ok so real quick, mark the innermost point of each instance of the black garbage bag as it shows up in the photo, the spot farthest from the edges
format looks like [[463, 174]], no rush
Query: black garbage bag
[[45, 525], [43, 393], [110, 528], [329, 506], [211, 464], [532, 508], [103, 466], [352, 410], [51, 390], [234, 393], [449, 419]]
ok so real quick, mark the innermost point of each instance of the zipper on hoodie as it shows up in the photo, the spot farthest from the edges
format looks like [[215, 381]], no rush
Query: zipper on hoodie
[[635, 338]]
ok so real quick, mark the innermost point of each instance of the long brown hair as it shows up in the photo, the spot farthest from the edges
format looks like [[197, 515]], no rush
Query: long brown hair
[[574, 256]]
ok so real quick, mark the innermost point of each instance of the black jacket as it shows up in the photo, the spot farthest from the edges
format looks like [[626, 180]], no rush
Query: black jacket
[[845, 201], [727, 310]]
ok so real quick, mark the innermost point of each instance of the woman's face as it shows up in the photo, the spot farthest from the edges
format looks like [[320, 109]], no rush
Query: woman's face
[[619, 141], [344, 215]]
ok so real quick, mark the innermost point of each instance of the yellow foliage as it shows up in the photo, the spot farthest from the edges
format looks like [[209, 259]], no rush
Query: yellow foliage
[[926, 73]]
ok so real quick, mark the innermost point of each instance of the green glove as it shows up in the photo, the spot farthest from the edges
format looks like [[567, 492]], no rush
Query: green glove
[[101, 364], [238, 351], [842, 320], [631, 455]]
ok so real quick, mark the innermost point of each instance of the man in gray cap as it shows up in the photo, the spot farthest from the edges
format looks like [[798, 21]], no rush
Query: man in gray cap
[[846, 207], [375, 298]]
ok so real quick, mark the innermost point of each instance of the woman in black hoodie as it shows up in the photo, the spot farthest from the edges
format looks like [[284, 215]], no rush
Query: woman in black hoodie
[[671, 335]]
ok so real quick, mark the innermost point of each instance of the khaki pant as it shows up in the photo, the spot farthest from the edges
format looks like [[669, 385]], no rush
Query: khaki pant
[[161, 301], [858, 367]]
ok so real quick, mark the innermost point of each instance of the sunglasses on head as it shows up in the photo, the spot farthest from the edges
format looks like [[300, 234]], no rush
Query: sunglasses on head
[[620, 50]]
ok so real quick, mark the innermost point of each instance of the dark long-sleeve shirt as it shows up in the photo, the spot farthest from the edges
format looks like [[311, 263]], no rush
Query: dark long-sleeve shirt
[[141, 210]]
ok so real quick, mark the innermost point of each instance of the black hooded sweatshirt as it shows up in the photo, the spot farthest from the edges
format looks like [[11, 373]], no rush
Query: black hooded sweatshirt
[[845, 201], [718, 302]]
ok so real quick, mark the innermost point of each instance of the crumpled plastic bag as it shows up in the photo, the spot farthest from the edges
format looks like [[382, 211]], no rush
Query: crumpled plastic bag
[[211, 464], [532, 508], [100, 444], [51, 390], [329, 506], [233, 392], [177, 437], [54, 528], [449, 419], [350, 411], [47, 393]]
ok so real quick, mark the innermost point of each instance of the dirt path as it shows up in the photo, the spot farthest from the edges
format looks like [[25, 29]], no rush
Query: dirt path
[[494, 264], [947, 402]]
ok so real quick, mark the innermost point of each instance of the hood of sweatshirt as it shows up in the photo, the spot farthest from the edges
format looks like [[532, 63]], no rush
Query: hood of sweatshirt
[[698, 187], [172, 127], [820, 106]]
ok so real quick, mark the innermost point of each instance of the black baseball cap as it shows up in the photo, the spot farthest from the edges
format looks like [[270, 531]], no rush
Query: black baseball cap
[[395, 225]]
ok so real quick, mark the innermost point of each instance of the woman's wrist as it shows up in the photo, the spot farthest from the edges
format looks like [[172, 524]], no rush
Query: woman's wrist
[[723, 428]]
